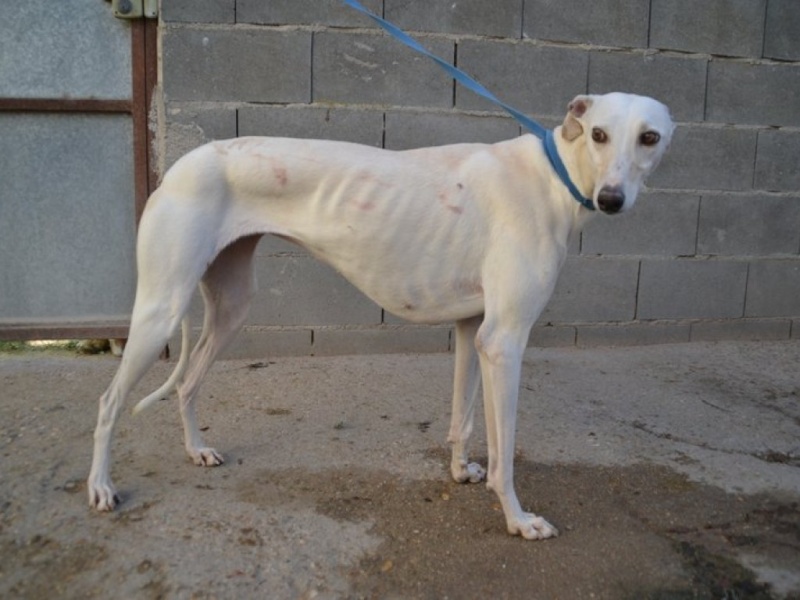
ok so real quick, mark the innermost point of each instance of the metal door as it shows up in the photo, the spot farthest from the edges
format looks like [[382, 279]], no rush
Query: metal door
[[75, 86]]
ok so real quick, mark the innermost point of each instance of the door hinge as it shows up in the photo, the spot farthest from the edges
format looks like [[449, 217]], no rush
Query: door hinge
[[135, 9]]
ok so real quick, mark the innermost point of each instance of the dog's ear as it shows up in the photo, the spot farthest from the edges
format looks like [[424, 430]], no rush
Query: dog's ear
[[572, 127]]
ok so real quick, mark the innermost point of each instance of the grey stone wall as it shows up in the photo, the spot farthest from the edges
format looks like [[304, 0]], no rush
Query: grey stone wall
[[711, 250]]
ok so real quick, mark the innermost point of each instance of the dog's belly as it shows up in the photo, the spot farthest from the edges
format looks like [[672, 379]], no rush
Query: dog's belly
[[420, 297], [423, 271]]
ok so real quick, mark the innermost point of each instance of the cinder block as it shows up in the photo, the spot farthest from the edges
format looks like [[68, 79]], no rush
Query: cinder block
[[783, 22], [632, 334], [661, 224], [364, 68], [749, 225], [392, 319], [691, 289], [253, 342], [535, 79], [236, 64], [773, 288], [271, 246], [207, 123], [777, 160], [260, 342], [295, 289], [552, 336], [188, 127], [755, 94], [708, 158], [299, 290], [417, 129], [741, 330], [192, 11], [381, 340], [653, 75], [343, 124], [593, 289], [499, 18], [332, 13], [723, 27], [622, 23]]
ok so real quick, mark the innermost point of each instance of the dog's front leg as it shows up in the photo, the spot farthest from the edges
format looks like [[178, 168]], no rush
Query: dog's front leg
[[465, 388], [500, 354]]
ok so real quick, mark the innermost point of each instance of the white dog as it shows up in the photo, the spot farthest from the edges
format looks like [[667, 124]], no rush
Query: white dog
[[471, 233]]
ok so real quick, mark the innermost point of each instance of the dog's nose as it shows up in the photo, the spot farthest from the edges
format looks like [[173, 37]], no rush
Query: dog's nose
[[610, 200]]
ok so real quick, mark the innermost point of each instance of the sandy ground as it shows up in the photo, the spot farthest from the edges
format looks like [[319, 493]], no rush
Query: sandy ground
[[672, 472]]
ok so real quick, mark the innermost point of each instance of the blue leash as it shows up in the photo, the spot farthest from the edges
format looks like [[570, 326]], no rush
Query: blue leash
[[546, 135]]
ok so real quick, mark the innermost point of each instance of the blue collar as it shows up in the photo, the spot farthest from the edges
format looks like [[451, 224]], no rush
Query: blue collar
[[557, 164], [546, 135]]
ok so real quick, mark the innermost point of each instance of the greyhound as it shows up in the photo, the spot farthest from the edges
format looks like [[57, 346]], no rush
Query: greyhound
[[471, 233]]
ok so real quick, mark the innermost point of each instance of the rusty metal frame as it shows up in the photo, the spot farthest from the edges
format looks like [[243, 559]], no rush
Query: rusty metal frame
[[144, 74], [145, 58]]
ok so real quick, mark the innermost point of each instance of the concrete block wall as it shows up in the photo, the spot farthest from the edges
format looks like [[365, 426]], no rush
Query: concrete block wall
[[712, 249]]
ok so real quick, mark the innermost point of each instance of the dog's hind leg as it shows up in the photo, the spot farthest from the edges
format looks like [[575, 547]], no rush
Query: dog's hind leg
[[151, 324], [170, 262], [465, 389], [227, 287]]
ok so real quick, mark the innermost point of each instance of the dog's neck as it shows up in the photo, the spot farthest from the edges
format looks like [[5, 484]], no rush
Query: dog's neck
[[576, 159]]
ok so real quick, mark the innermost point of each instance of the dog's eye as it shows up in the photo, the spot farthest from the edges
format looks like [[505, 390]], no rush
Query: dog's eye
[[599, 136], [649, 138]]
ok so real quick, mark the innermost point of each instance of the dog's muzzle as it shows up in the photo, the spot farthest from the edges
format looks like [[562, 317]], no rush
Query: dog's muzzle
[[610, 200]]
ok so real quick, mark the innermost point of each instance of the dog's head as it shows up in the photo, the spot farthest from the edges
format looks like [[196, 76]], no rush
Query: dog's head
[[625, 137]]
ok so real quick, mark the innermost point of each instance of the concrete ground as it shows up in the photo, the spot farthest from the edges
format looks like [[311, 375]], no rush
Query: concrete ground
[[672, 471]]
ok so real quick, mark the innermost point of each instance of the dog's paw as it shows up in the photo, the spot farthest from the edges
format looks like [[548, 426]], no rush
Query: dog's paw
[[464, 472], [206, 457], [102, 496], [532, 527]]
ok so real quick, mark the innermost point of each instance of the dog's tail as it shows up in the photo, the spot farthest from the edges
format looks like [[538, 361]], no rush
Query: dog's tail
[[180, 368]]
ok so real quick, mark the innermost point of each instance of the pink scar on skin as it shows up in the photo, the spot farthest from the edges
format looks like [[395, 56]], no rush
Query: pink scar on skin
[[360, 203], [281, 176], [366, 205], [444, 200], [470, 286]]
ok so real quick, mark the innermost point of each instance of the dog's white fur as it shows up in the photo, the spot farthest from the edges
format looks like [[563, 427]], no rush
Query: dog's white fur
[[471, 233]]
